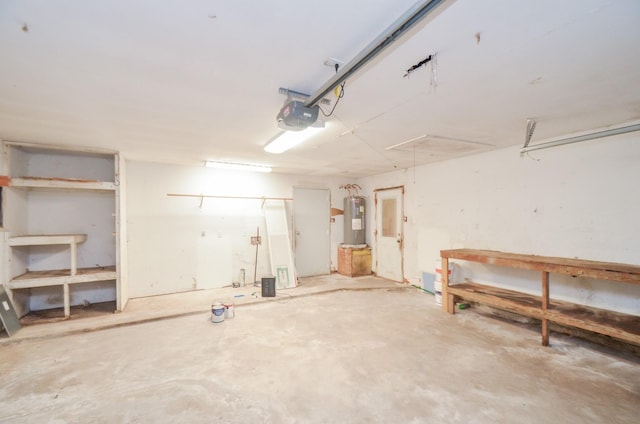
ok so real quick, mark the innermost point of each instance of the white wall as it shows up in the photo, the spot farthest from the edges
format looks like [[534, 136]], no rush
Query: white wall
[[121, 236], [578, 200], [175, 245]]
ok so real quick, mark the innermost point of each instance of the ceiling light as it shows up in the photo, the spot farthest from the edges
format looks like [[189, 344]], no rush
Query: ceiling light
[[290, 139], [237, 166]]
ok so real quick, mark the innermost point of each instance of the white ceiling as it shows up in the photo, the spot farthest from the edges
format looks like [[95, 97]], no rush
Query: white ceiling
[[182, 82]]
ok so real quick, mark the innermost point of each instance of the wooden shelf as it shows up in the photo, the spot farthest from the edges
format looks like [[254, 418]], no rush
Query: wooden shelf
[[49, 278], [500, 298], [43, 177], [61, 183], [46, 239], [60, 277], [52, 239], [621, 326]]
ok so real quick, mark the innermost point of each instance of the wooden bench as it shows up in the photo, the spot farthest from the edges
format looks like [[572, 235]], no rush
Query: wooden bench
[[614, 324]]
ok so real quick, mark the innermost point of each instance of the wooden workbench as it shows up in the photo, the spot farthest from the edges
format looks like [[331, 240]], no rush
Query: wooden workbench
[[621, 326]]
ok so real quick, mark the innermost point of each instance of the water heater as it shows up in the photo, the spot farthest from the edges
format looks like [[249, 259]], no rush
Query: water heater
[[354, 220]]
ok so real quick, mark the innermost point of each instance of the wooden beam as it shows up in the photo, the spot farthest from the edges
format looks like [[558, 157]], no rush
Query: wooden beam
[[62, 183], [67, 300], [46, 239], [629, 333], [545, 306], [33, 279], [448, 303], [200, 196], [495, 301], [568, 266]]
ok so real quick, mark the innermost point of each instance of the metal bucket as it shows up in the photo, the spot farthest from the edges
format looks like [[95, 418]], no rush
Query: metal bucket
[[217, 312]]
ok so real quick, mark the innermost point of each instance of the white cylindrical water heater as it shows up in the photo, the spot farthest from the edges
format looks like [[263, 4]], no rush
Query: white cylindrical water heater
[[354, 220]]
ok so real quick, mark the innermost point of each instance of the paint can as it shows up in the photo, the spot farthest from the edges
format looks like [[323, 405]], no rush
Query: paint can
[[437, 290], [439, 270], [217, 312], [229, 310], [437, 284]]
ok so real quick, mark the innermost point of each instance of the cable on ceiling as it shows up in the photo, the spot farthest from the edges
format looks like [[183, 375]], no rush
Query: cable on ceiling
[[341, 95], [397, 29]]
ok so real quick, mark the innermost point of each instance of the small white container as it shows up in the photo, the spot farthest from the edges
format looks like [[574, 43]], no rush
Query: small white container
[[229, 310]]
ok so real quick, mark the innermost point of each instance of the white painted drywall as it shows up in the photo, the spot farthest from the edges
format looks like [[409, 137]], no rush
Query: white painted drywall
[[175, 245], [578, 200], [121, 236], [13, 204]]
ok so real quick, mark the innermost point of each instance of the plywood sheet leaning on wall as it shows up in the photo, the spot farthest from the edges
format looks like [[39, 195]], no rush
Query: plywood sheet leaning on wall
[[280, 253], [9, 317]]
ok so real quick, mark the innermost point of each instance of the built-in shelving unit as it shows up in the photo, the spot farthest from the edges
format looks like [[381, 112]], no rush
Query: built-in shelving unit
[[65, 277], [60, 227]]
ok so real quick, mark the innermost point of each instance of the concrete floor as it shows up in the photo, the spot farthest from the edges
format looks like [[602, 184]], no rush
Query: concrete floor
[[383, 354]]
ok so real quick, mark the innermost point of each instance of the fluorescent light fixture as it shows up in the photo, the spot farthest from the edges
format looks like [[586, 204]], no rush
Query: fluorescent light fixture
[[290, 139], [237, 166]]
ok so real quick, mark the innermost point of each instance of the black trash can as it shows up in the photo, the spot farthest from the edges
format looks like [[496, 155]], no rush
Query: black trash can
[[268, 286]]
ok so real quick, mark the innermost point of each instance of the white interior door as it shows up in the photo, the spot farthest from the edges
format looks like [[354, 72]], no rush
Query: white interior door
[[312, 216], [389, 233]]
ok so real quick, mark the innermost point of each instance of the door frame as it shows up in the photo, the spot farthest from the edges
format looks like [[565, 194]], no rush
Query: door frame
[[402, 222]]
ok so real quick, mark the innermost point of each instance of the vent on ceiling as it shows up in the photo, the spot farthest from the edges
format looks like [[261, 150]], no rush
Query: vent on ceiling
[[439, 145]]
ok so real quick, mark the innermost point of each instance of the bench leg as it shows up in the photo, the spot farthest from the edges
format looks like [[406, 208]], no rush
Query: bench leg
[[545, 332], [545, 306], [448, 301], [67, 301], [451, 303]]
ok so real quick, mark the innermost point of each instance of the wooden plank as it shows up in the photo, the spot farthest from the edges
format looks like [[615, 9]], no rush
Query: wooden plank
[[448, 300], [46, 316], [74, 257], [67, 300], [625, 327], [5, 181], [575, 267], [545, 306], [62, 183], [63, 276], [614, 324], [500, 298], [280, 253], [50, 239], [8, 314]]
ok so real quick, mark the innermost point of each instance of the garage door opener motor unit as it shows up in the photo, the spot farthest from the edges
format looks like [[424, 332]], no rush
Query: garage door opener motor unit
[[295, 116]]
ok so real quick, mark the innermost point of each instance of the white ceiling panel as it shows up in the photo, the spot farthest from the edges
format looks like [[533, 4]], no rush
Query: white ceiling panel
[[185, 82]]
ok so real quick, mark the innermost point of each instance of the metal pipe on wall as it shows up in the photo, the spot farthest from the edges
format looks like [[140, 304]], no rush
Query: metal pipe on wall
[[584, 137]]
